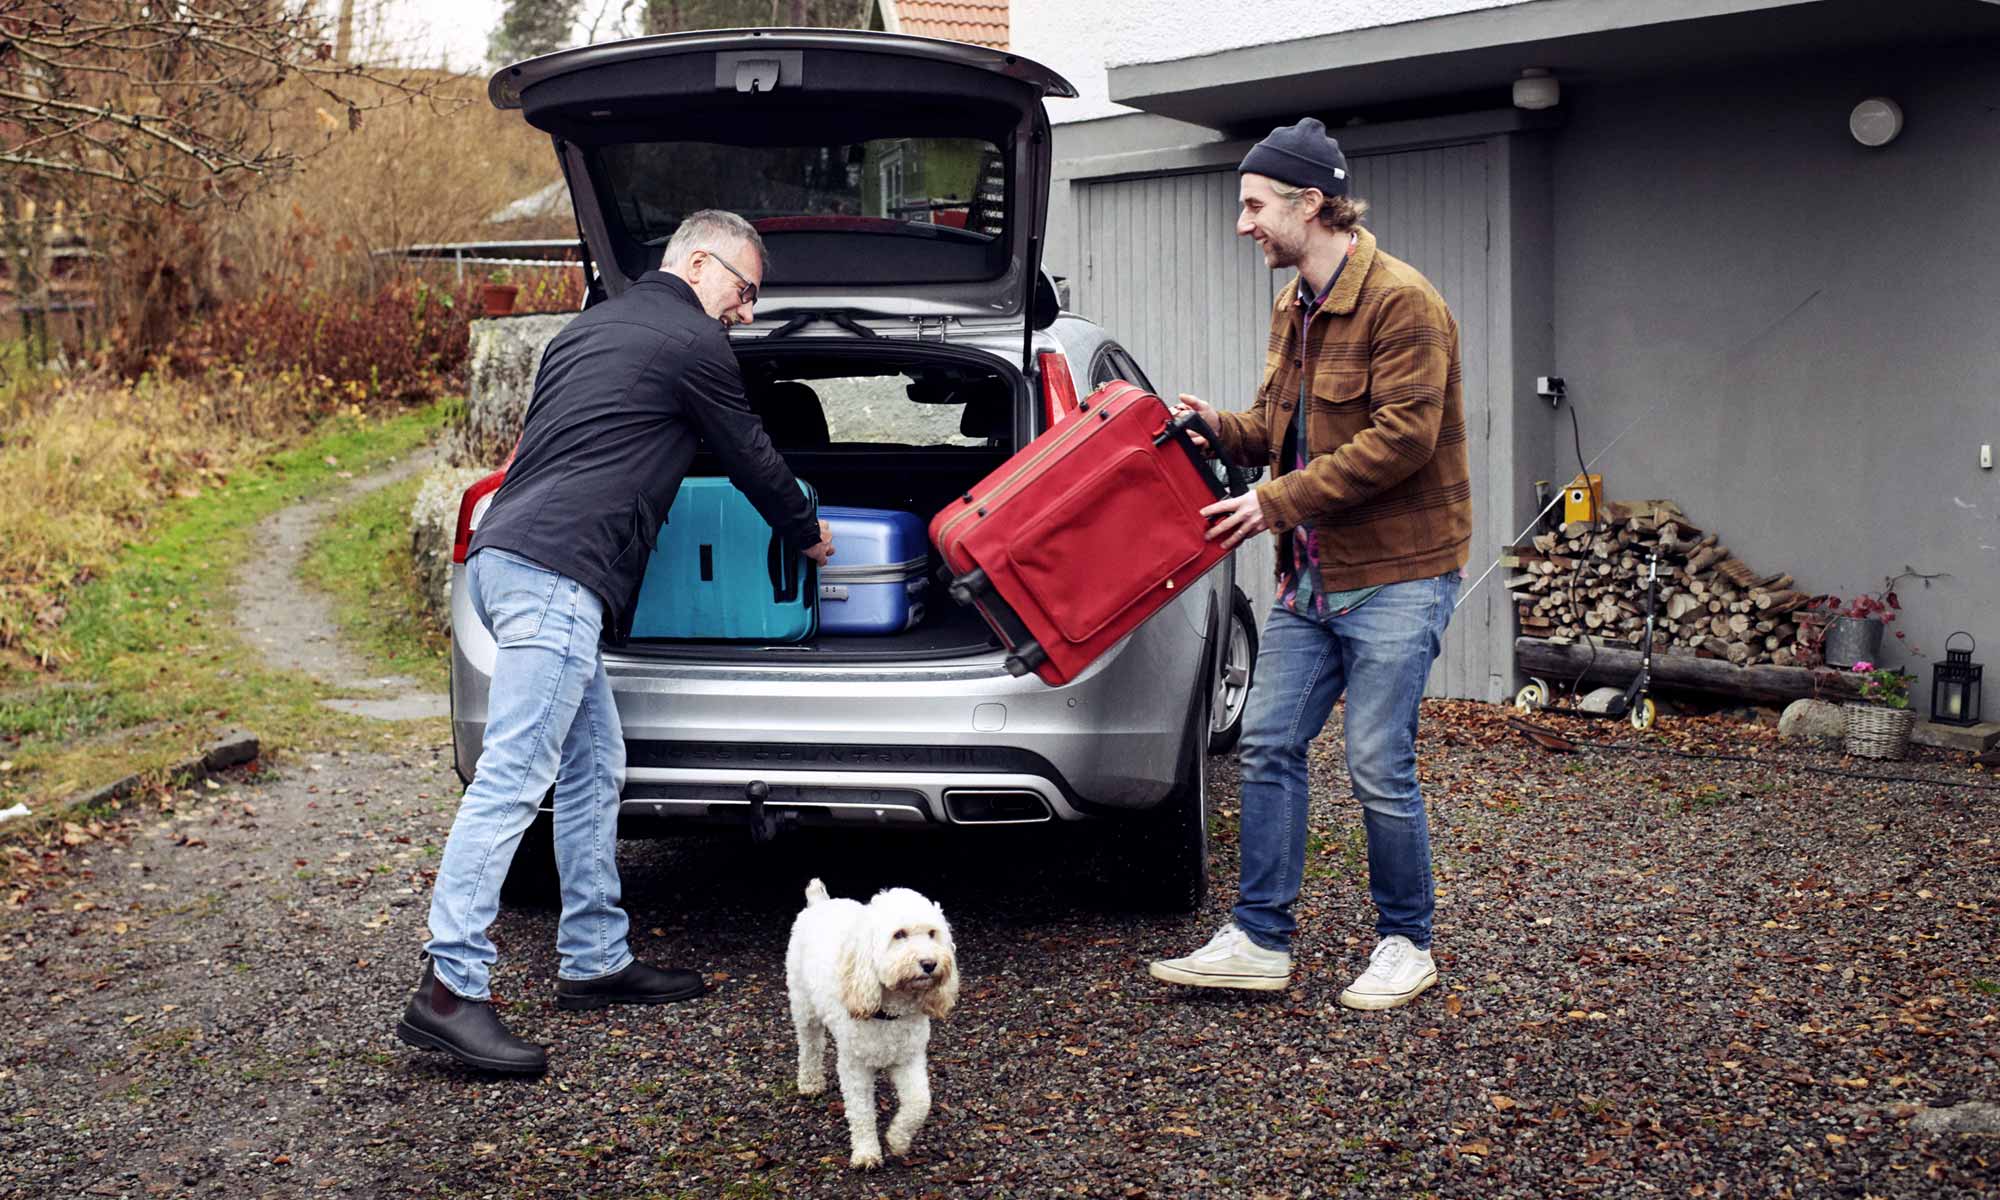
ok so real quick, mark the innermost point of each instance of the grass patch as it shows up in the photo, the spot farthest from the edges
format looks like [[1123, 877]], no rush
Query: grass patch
[[154, 670], [362, 559]]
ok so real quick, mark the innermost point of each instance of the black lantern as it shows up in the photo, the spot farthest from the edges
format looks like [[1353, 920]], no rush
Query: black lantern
[[1955, 685]]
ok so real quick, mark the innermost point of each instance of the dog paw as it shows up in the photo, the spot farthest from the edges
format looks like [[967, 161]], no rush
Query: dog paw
[[865, 1160], [811, 1087], [899, 1144]]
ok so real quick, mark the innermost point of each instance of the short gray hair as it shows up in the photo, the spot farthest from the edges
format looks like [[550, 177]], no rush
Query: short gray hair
[[713, 230]]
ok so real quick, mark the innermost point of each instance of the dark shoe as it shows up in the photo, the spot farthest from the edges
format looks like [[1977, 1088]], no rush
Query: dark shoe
[[636, 984], [468, 1030]]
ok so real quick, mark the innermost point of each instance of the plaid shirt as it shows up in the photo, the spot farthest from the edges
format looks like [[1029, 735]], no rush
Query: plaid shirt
[[1299, 587]]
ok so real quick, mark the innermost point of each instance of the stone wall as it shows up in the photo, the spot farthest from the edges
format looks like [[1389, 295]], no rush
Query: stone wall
[[500, 376]]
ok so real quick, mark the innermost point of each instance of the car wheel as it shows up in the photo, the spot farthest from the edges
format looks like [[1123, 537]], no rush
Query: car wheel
[[1232, 682], [531, 878]]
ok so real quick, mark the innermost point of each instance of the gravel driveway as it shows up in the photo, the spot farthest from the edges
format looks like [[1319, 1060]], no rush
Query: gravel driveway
[[1660, 976]]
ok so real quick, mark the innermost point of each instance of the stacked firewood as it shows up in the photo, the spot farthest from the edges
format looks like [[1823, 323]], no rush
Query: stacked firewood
[[1588, 580]]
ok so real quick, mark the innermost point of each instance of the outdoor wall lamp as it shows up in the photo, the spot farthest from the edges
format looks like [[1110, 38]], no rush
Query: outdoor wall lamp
[[1955, 685], [1536, 88], [1874, 122]]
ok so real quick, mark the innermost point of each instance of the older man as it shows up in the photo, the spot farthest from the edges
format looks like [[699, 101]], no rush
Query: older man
[[622, 397], [1362, 424]]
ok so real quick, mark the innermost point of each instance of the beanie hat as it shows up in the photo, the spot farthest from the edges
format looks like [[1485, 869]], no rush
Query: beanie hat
[[1301, 155]]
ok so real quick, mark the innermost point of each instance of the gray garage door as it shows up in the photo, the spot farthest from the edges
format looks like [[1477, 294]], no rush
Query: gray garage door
[[1163, 269]]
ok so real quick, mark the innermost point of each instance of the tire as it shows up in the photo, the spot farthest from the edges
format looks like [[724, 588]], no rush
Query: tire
[[1233, 678], [531, 880], [1643, 714]]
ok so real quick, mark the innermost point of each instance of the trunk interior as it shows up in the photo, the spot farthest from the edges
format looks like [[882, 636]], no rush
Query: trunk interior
[[903, 428]]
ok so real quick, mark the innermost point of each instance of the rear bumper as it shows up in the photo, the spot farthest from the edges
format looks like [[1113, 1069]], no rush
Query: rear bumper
[[893, 745]]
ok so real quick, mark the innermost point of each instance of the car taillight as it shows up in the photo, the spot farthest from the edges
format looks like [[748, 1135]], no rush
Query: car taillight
[[1058, 389], [472, 506]]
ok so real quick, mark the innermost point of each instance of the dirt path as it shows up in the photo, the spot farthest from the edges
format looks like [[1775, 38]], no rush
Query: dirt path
[[292, 622]]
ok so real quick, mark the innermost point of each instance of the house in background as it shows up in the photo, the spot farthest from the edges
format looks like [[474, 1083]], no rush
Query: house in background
[[1769, 292]]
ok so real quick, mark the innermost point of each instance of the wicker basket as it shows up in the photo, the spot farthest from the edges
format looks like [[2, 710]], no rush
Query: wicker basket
[[1874, 731]]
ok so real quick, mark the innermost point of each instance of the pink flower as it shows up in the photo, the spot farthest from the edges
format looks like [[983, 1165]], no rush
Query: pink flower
[[1864, 666]]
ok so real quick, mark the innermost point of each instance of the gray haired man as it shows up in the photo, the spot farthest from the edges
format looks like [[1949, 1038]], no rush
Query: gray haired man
[[623, 396]]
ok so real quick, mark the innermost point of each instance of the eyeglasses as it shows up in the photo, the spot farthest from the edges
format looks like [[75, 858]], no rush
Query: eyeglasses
[[746, 294]]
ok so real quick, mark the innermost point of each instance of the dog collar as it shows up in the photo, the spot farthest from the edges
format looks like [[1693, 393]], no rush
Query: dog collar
[[881, 1015]]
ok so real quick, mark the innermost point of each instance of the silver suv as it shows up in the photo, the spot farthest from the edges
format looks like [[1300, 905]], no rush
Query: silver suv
[[906, 343]]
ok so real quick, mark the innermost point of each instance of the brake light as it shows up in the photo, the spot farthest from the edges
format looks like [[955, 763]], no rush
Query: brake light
[[1058, 389], [472, 506]]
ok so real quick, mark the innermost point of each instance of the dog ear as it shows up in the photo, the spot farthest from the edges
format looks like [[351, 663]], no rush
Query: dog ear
[[860, 986]]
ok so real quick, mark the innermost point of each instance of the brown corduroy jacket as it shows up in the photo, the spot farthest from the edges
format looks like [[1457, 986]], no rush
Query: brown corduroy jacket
[[1386, 486]]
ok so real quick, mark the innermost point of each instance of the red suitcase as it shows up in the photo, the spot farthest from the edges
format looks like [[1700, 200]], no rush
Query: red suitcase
[[1085, 533]]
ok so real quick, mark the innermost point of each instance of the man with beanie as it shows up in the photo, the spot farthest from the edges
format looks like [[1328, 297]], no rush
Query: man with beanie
[[623, 395], [1361, 422]]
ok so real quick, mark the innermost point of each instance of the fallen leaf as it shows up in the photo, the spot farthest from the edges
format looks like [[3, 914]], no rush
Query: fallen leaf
[[1503, 1103], [1183, 1130]]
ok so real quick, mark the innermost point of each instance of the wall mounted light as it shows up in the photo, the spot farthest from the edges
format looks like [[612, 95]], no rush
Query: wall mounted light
[[1874, 122], [1536, 88]]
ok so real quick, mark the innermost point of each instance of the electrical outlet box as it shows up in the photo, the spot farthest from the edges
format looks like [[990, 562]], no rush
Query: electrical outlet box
[[1550, 388], [1986, 457]]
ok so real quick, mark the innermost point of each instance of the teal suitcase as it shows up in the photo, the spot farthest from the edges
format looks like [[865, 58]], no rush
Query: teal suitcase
[[719, 573]]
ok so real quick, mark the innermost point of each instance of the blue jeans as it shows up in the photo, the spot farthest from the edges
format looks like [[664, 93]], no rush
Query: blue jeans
[[549, 720], [1380, 654]]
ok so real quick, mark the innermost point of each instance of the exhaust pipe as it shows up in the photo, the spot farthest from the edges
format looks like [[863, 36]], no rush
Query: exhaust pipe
[[996, 806]]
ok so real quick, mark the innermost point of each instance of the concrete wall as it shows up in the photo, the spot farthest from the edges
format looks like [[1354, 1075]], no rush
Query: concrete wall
[[1804, 328], [1080, 38]]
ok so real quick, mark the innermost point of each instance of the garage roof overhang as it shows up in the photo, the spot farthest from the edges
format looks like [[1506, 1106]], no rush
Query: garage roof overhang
[[1479, 53]]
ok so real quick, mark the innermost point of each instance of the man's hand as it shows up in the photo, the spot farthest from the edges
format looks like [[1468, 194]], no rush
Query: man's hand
[[1201, 409], [824, 550], [1241, 516]]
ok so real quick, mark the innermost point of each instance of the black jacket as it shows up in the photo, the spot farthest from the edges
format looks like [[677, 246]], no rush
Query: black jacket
[[622, 396]]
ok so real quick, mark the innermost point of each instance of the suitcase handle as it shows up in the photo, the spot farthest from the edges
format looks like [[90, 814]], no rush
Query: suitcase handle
[[1235, 481], [784, 571]]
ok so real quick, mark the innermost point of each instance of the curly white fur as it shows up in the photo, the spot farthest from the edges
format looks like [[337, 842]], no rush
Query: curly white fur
[[874, 975]]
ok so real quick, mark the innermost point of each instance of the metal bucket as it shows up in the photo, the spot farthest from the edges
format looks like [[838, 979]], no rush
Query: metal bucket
[[1850, 640]]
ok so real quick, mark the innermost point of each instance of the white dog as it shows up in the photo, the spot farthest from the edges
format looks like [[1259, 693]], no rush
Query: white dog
[[874, 975]]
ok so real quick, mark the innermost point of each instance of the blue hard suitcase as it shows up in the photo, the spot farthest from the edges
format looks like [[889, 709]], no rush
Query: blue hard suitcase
[[719, 572], [879, 573]]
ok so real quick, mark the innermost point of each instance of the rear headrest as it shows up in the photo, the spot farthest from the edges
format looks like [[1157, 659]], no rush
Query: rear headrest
[[989, 408], [792, 415]]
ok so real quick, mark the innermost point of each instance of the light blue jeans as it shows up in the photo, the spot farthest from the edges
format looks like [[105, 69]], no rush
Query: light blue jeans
[[549, 720], [1379, 654]]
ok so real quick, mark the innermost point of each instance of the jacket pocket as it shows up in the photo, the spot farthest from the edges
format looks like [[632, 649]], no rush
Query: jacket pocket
[[1336, 410]]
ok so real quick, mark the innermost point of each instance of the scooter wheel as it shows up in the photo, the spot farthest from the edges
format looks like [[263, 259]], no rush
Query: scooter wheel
[[1531, 698], [1642, 714]]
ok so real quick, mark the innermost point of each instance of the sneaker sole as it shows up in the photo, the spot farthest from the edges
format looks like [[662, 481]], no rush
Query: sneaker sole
[[1248, 983], [1376, 1002], [590, 1003], [412, 1036]]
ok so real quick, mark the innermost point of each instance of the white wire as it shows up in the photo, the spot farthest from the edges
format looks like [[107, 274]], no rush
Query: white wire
[[1466, 594]]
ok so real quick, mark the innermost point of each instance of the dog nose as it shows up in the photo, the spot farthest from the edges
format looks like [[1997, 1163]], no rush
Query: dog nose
[[928, 964]]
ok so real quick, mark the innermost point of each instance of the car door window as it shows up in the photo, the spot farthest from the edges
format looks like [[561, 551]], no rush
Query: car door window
[[1113, 362]]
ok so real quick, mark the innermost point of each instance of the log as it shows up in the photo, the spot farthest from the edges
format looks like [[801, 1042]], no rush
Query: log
[[1759, 684], [1704, 559]]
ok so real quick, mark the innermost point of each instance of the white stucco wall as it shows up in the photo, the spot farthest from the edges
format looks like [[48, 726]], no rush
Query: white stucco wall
[[1080, 38]]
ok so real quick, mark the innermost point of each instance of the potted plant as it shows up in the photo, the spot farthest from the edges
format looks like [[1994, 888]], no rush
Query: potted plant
[[496, 295], [1845, 632], [1879, 724]]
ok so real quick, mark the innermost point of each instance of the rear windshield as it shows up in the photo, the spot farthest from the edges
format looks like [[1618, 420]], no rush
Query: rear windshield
[[886, 210]]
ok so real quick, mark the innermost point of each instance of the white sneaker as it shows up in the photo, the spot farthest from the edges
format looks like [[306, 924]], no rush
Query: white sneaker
[[1230, 960], [1397, 972]]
